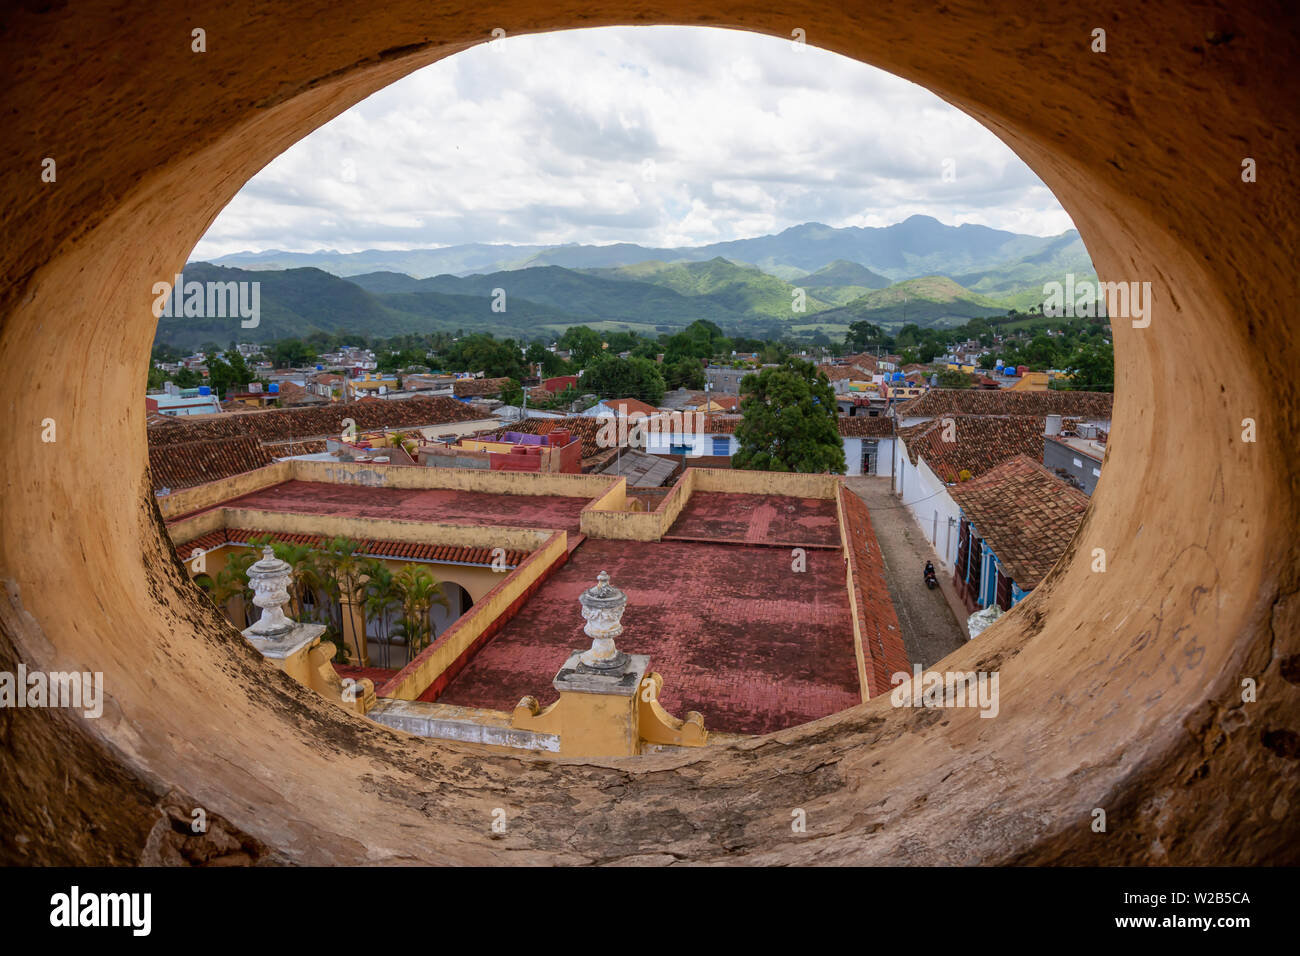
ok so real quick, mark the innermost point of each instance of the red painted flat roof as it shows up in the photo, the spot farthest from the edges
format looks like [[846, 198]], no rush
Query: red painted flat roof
[[550, 512], [737, 635], [758, 519]]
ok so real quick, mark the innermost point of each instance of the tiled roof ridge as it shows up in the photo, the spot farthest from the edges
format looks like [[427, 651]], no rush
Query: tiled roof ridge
[[982, 441], [1026, 514], [300, 424], [939, 401], [370, 547], [186, 464]]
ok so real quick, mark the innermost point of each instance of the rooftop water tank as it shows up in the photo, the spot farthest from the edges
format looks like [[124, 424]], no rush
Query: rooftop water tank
[[275, 388], [205, 390]]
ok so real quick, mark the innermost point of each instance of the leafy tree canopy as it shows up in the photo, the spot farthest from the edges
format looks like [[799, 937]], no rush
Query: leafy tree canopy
[[612, 377], [585, 343], [685, 373], [788, 421], [496, 358]]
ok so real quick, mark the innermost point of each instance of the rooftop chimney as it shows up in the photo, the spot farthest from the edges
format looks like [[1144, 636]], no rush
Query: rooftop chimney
[[1053, 425]]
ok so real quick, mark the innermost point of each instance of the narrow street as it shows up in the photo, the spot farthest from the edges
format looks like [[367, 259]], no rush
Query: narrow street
[[932, 620]]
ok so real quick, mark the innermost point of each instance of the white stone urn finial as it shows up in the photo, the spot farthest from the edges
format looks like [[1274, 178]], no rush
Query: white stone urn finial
[[269, 579], [602, 608]]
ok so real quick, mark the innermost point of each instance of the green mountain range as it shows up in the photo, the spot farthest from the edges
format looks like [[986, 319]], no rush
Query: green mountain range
[[917, 246], [916, 271]]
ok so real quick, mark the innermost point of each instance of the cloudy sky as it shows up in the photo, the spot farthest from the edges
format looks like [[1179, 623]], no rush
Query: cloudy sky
[[661, 136]]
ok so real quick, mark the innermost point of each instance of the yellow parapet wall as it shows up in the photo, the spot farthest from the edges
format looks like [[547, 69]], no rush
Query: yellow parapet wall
[[454, 645], [386, 529], [215, 492], [457, 479], [739, 481]]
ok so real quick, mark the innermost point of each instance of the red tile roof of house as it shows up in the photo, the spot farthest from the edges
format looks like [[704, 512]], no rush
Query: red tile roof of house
[[185, 464], [865, 426], [1025, 514], [374, 547], [629, 407], [882, 638], [856, 367], [298, 424], [966, 401], [288, 449], [864, 360], [980, 442], [470, 387]]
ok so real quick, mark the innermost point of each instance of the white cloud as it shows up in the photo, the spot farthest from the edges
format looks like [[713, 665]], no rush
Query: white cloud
[[549, 140]]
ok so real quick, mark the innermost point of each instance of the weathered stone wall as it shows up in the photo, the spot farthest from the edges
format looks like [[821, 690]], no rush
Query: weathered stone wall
[[1120, 689]]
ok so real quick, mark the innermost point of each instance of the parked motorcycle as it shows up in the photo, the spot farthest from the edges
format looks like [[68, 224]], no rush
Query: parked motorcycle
[[931, 581]]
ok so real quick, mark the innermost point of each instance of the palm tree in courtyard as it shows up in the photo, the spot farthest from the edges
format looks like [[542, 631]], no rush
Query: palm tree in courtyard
[[339, 570], [419, 591], [382, 600]]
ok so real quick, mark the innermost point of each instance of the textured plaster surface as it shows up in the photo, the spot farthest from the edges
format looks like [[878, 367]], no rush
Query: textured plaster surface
[[543, 512], [1120, 689], [736, 634]]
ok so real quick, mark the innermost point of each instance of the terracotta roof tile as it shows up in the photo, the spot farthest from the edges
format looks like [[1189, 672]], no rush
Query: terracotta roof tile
[[966, 401], [371, 547], [630, 406], [980, 442], [865, 426], [297, 424], [185, 464], [882, 638], [1025, 514], [470, 387]]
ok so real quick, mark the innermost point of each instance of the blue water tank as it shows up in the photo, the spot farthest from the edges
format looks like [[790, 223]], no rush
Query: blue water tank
[[275, 388], [319, 367], [898, 376], [204, 390], [1009, 370]]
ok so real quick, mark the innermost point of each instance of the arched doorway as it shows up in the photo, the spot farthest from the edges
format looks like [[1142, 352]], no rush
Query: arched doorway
[[458, 602]]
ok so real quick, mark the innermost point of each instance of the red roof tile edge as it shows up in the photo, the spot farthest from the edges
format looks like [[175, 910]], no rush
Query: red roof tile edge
[[370, 547], [882, 637]]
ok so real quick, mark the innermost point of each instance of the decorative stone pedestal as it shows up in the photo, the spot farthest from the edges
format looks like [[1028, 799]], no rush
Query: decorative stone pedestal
[[295, 648], [608, 702]]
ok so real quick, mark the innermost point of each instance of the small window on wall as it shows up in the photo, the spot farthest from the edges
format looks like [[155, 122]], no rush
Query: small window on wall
[[722, 446]]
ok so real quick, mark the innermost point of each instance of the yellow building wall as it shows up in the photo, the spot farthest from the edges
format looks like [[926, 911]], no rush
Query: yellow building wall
[[413, 679], [740, 481]]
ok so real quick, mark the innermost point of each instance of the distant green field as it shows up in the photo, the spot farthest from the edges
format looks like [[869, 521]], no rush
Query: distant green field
[[1036, 322], [830, 328], [605, 325]]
